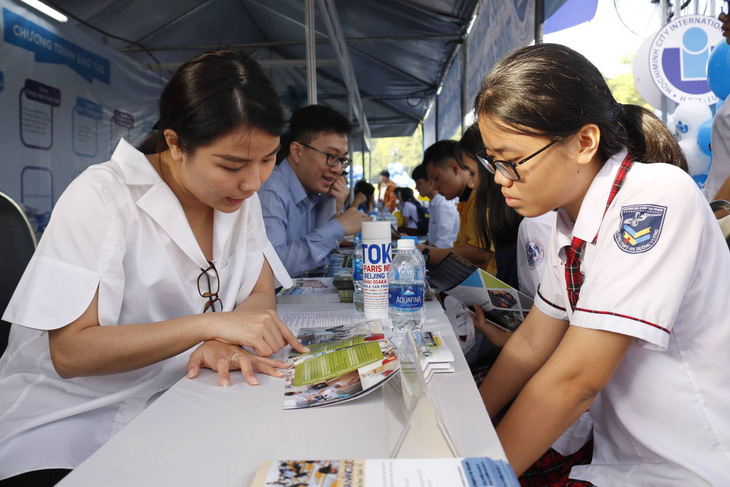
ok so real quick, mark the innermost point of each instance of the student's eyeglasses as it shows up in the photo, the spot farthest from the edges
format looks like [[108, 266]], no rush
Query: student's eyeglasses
[[212, 295], [332, 159], [507, 169]]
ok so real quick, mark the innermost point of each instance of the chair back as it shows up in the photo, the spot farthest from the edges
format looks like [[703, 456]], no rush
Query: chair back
[[721, 208], [17, 244]]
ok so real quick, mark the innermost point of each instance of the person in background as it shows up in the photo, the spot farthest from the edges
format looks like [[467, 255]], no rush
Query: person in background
[[443, 222], [452, 181], [496, 223], [364, 196], [300, 199], [628, 317], [718, 180], [409, 211], [154, 263], [385, 191]]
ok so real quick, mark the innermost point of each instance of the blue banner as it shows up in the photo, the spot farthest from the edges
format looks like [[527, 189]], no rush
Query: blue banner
[[50, 48], [449, 101]]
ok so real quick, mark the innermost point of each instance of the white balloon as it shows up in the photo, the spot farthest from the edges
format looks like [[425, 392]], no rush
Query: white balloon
[[642, 75], [698, 161], [688, 117]]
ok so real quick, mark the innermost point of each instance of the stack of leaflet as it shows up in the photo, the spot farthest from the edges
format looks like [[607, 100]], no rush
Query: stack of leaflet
[[436, 357]]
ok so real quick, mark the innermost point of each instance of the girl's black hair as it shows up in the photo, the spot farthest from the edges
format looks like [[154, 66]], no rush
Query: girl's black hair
[[364, 187], [212, 95], [406, 194], [552, 90], [500, 222]]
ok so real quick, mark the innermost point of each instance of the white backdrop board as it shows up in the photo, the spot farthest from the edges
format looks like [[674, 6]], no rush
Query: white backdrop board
[[65, 101]]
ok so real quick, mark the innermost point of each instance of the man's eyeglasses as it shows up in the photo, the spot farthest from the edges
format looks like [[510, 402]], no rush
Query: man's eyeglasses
[[332, 159], [507, 169], [214, 303]]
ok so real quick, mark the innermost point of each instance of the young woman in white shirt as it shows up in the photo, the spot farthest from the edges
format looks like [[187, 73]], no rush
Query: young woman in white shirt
[[154, 265], [632, 317]]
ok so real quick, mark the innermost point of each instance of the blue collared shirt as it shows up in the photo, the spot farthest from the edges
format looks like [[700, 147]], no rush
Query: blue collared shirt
[[300, 226]]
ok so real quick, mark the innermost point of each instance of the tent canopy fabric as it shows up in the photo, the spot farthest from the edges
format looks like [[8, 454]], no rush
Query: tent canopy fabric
[[400, 49]]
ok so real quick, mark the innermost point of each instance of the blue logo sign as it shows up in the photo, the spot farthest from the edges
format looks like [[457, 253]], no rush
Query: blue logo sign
[[682, 127], [535, 252], [678, 58], [50, 48], [640, 227]]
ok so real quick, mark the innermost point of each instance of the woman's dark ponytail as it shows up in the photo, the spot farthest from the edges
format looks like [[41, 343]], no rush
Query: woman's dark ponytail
[[648, 139]]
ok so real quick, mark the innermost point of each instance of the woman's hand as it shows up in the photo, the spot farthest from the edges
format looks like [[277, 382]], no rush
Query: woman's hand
[[224, 357], [261, 330], [494, 334]]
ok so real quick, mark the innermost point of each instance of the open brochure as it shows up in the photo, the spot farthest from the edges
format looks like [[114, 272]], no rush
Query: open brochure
[[309, 290], [504, 305], [470, 472], [344, 362]]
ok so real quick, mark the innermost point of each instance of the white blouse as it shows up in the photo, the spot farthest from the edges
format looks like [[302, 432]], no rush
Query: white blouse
[[119, 228]]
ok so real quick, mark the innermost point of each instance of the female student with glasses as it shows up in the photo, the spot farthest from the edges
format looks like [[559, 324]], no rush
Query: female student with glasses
[[146, 257], [631, 318]]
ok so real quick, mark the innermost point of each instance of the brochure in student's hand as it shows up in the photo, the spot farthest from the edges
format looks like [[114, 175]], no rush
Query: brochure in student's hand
[[344, 361], [468, 472], [504, 305]]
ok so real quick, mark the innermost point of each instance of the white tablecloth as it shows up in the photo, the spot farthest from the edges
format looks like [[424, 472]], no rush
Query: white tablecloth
[[201, 434]]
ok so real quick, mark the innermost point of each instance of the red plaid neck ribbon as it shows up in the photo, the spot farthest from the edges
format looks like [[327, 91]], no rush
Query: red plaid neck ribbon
[[574, 252]]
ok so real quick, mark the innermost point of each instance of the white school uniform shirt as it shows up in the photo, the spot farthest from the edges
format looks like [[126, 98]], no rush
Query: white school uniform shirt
[[120, 228], [409, 212], [533, 240], [663, 417], [443, 222]]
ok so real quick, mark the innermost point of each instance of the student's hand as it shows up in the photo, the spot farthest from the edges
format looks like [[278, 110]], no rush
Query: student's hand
[[224, 357], [338, 190], [496, 335], [261, 330], [351, 220]]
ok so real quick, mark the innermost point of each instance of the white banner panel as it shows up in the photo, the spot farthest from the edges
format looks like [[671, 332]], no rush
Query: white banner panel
[[63, 107], [500, 27]]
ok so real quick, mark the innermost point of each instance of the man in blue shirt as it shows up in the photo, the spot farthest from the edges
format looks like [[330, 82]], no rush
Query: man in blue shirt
[[302, 201]]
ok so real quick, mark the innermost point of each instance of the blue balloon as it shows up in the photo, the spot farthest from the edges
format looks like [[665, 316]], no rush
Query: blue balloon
[[704, 134], [700, 179], [718, 70]]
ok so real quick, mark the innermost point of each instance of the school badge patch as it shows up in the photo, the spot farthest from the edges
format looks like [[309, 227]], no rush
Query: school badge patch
[[640, 227], [535, 252]]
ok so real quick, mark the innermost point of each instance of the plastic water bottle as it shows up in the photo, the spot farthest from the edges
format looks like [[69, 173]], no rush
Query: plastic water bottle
[[406, 289], [418, 252], [357, 296]]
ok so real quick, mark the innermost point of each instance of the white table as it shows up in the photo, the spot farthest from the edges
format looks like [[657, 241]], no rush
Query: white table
[[200, 434]]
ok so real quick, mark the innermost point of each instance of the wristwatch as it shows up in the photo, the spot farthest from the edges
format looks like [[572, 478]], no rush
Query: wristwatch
[[426, 254]]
